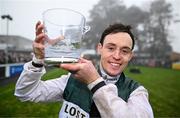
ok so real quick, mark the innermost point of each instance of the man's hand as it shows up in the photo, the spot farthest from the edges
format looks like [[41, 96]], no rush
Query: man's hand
[[38, 44], [84, 70]]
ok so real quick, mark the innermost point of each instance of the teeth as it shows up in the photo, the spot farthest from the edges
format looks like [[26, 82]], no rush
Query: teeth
[[114, 64]]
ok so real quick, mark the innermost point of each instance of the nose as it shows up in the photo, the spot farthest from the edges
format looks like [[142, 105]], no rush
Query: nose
[[117, 54]]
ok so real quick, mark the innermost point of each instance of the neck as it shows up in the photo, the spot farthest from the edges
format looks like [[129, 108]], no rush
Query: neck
[[107, 77]]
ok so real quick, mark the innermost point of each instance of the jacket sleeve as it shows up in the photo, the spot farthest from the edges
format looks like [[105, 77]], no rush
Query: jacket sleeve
[[30, 87], [111, 106]]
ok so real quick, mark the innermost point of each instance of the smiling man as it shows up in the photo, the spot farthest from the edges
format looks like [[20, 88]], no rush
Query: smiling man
[[86, 91], [115, 52]]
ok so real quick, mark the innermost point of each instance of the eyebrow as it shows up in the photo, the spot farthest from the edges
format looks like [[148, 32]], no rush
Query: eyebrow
[[112, 44]]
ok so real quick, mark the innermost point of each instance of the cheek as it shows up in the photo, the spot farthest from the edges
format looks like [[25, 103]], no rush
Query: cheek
[[125, 61], [106, 57]]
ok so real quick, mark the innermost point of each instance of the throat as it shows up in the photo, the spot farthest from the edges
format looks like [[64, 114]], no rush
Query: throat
[[108, 79]]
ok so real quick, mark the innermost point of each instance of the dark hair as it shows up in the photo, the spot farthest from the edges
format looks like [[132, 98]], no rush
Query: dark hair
[[115, 28]]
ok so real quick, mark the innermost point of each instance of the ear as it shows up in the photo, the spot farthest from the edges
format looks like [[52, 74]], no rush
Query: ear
[[99, 48]]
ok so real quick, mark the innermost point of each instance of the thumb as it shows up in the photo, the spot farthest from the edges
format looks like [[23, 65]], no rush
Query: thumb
[[82, 60], [70, 67]]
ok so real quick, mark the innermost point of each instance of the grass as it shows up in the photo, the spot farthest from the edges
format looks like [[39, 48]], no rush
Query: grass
[[12, 107], [163, 86]]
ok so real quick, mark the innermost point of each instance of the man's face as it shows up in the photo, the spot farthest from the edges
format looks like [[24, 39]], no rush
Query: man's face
[[115, 52]]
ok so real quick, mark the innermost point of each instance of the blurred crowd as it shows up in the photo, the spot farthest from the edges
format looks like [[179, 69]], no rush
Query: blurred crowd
[[14, 56]]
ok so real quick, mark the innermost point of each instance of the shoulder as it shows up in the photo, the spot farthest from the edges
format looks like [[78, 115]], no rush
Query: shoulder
[[131, 83], [140, 90], [128, 82]]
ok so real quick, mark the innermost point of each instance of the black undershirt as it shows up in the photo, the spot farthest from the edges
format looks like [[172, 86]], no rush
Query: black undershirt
[[94, 113]]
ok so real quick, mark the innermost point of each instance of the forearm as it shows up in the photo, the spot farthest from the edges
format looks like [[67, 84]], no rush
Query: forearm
[[30, 87], [28, 80], [111, 106]]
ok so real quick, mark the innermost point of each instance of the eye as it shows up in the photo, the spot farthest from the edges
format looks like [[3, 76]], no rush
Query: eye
[[125, 51], [111, 48]]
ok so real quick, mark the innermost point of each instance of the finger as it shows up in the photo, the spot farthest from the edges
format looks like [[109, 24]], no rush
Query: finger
[[70, 67], [54, 41], [39, 29], [40, 38], [82, 60], [38, 45], [61, 37], [37, 24]]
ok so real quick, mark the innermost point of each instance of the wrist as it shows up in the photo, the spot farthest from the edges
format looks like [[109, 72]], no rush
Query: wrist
[[94, 77], [94, 83], [38, 65], [37, 61], [98, 86]]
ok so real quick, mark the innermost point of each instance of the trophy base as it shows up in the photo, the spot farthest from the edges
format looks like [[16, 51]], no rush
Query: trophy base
[[60, 60]]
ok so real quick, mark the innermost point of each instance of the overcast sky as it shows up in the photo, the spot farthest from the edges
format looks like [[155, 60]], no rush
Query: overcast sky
[[26, 13]]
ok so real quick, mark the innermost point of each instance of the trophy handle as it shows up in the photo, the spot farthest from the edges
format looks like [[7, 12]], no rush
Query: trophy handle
[[86, 29]]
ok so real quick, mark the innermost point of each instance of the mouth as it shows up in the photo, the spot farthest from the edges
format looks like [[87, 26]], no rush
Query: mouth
[[115, 65]]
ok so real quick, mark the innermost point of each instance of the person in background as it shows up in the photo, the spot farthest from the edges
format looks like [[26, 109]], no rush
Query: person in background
[[87, 91]]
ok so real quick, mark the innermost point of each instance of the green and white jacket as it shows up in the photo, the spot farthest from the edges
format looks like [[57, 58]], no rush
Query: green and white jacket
[[124, 99]]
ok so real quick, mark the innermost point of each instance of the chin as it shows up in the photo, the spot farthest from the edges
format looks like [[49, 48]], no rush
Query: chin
[[113, 73]]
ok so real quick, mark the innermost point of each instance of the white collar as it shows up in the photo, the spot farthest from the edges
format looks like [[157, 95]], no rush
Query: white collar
[[108, 79]]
